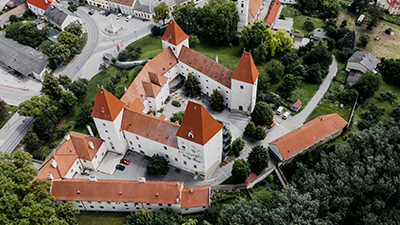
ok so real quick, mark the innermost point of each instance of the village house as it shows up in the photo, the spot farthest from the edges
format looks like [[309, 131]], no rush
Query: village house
[[359, 63], [307, 137], [296, 105], [393, 7], [38, 7], [122, 6], [59, 16]]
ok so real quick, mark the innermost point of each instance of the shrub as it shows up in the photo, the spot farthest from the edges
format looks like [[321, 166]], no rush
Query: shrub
[[237, 146], [249, 129], [259, 133], [157, 166], [258, 158], [240, 170], [156, 31], [176, 103]]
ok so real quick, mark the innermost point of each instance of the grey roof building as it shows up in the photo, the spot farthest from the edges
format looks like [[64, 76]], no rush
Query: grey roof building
[[60, 16], [319, 34], [22, 58], [286, 24], [365, 59], [353, 77]]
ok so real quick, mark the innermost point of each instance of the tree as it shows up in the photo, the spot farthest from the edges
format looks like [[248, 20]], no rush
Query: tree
[[51, 87], [219, 20], [259, 133], [59, 52], [349, 40], [191, 85], [44, 127], [217, 101], [24, 201], [319, 54], [67, 213], [36, 106], [187, 17], [249, 129], [258, 158], [262, 114], [161, 13], [13, 18], [33, 143], [237, 146], [289, 58], [79, 87], [252, 37], [157, 165], [2, 107], [193, 41], [69, 99], [69, 40], [345, 53], [278, 42], [240, 170], [84, 114], [156, 30], [140, 217], [178, 116], [309, 24], [273, 99], [72, 8], [290, 82], [274, 69], [211, 214], [390, 69], [74, 28], [396, 113], [265, 196], [242, 212], [26, 33], [368, 84], [260, 53], [364, 39], [314, 73], [298, 71], [65, 81]]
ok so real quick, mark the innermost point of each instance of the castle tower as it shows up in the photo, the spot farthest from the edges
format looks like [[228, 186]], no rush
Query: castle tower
[[244, 85], [243, 11], [174, 37], [200, 140], [107, 114]]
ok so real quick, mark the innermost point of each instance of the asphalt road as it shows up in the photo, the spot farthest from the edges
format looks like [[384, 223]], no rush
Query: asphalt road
[[13, 131]]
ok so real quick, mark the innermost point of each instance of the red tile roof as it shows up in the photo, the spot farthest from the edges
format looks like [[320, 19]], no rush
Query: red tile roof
[[42, 4], [394, 3], [174, 34], [254, 5], [195, 196], [117, 191], [198, 121], [150, 127], [272, 12], [251, 177], [297, 103], [106, 105], [308, 134], [152, 73], [206, 66], [246, 70], [124, 2], [82, 146]]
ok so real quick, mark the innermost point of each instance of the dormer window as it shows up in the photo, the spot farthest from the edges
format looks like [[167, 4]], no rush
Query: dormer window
[[191, 134]]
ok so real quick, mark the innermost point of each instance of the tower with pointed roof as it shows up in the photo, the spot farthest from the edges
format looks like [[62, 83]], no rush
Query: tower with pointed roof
[[244, 85], [174, 37], [200, 140], [107, 115]]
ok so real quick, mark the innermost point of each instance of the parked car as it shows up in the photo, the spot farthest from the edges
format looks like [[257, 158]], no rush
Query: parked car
[[119, 16], [125, 161], [86, 172], [272, 125], [279, 110], [90, 12], [120, 167], [70, 3], [107, 13], [286, 115], [128, 18], [98, 9]]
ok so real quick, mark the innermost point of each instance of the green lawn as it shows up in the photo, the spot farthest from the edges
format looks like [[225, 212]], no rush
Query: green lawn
[[5, 117], [304, 92], [151, 46], [328, 107], [299, 19], [341, 77], [95, 218]]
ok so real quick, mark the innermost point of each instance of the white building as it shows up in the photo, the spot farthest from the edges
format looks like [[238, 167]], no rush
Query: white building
[[60, 16], [249, 11], [38, 7], [130, 196], [122, 6], [195, 145]]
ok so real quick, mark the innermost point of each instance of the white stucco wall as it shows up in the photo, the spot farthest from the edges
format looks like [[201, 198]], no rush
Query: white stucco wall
[[75, 168], [245, 97], [96, 160], [175, 49], [243, 10], [36, 10], [69, 20], [213, 152], [127, 10]]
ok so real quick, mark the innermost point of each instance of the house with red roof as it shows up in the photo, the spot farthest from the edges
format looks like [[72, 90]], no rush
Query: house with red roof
[[393, 6], [307, 137], [296, 105], [272, 14], [38, 7], [249, 11]]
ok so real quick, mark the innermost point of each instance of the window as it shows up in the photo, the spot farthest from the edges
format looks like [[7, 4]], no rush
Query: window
[[226, 98], [65, 201], [206, 80], [72, 170], [147, 203], [101, 207], [219, 87], [106, 131], [99, 202], [227, 92], [137, 208], [160, 204], [89, 202], [166, 156], [241, 87], [183, 147], [165, 148], [95, 156], [240, 108], [84, 161], [79, 206], [137, 138], [104, 124], [184, 162], [130, 142], [111, 143], [242, 5], [126, 204], [102, 154], [207, 87], [113, 207], [149, 101], [195, 166], [186, 209], [91, 207], [139, 146], [108, 202], [176, 159], [142, 152], [109, 138], [169, 204]]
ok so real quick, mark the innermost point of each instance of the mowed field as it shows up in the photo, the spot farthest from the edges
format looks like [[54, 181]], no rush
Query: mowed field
[[388, 46]]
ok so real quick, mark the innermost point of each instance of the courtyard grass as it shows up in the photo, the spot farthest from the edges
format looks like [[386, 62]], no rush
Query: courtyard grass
[[304, 92], [5, 117], [298, 20], [96, 218]]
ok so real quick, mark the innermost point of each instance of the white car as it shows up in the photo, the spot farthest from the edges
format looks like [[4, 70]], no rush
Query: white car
[[119, 16], [128, 18]]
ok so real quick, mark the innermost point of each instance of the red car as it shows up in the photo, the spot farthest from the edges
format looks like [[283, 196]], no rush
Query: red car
[[125, 161]]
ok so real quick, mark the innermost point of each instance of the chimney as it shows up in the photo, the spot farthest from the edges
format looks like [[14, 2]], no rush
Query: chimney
[[91, 145], [53, 163], [216, 59], [142, 180], [92, 178], [45, 1], [90, 130], [177, 183], [49, 176], [191, 190], [67, 137]]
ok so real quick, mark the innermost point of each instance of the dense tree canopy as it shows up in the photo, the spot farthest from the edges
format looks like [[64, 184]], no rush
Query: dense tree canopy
[[24, 202], [36, 106], [237, 146], [59, 52], [178, 116], [69, 40], [187, 17], [240, 170], [157, 165], [258, 158], [74, 28], [51, 87], [252, 37], [191, 85], [26, 33], [217, 101], [262, 114], [349, 40], [390, 69], [161, 13], [319, 54], [242, 212], [79, 87], [368, 84]]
